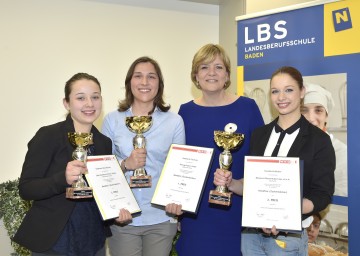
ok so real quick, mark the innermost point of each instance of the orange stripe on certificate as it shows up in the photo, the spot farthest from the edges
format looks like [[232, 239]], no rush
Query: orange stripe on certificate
[[262, 160]]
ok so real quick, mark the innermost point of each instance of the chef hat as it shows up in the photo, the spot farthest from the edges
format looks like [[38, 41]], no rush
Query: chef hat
[[318, 94]]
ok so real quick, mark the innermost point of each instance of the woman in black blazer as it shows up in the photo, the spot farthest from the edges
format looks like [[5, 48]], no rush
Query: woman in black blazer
[[290, 134], [55, 225]]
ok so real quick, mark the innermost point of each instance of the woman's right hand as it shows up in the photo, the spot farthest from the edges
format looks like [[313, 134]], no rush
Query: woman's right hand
[[222, 178], [136, 159], [225, 178], [73, 170]]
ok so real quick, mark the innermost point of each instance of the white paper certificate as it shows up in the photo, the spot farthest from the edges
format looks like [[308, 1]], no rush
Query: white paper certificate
[[110, 188], [183, 176], [272, 193]]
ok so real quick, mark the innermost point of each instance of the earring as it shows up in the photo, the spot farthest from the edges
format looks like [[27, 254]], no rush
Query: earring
[[198, 85]]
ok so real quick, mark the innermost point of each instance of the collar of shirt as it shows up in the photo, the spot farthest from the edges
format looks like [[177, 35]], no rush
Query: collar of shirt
[[286, 143], [289, 130], [131, 113]]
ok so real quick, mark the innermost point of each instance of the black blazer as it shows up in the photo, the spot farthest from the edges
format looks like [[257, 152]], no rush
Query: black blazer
[[314, 147], [43, 180]]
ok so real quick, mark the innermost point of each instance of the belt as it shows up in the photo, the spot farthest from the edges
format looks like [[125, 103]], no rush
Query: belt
[[261, 232]]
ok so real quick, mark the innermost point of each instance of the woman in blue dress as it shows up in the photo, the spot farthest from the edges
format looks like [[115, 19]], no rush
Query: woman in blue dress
[[215, 229]]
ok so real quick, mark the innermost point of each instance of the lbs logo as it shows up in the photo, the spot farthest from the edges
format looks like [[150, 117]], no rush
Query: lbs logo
[[342, 19]]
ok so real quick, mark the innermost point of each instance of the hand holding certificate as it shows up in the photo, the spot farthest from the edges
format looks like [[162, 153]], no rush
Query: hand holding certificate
[[272, 193], [183, 176], [110, 188]]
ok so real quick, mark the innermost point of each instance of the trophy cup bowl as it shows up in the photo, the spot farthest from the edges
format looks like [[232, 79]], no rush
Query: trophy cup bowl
[[139, 125], [79, 189], [228, 140]]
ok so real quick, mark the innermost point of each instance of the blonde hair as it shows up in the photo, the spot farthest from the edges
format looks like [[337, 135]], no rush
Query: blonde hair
[[207, 54]]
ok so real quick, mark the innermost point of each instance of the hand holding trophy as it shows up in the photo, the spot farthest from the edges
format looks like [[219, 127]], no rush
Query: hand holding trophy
[[79, 189], [228, 140], [139, 125]]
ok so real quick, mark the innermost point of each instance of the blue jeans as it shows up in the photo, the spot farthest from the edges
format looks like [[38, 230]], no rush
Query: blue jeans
[[256, 244]]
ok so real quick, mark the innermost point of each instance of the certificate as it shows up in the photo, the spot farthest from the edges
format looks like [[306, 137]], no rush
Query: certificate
[[183, 176], [272, 193], [110, 188]]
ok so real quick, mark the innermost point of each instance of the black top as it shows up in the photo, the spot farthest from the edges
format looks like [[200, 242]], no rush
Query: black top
[[43, 181], [314, 147]]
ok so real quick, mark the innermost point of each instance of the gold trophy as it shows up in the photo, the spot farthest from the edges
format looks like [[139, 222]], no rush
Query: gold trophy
[[139, 125], [79, 189], [228, 140]]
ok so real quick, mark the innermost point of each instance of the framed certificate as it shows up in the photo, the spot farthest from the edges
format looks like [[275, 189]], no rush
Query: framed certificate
[[110, 187], [272, 193], [183, 176]]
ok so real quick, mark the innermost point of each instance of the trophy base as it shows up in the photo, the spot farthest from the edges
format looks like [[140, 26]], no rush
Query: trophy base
[[216, 197], [79, 193], [140, 181]]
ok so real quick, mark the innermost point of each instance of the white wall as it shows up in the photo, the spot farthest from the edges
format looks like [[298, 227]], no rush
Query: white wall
[[264, 5], [43, 43]]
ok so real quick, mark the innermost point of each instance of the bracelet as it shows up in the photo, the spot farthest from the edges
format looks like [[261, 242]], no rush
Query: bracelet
[[123, 165]]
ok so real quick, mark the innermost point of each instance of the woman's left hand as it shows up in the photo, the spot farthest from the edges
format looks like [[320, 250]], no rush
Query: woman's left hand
[[271, 231], [174, 209], [124, 217]]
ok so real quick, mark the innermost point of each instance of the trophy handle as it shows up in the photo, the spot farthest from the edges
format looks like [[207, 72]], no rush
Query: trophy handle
[[80, 154], [140, 177], [139, 141], [225, 160], [80, 183]]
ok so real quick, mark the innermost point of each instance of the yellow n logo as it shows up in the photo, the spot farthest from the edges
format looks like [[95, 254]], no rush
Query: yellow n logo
[[343, 16], [342, 19]]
